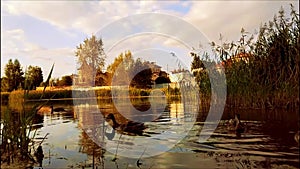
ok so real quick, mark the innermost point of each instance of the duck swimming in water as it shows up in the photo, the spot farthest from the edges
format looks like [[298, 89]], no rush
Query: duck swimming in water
[[236, 125], [129, 128]]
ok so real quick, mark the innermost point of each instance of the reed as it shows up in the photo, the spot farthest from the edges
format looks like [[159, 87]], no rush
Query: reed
[[18, 132], [262, 73]]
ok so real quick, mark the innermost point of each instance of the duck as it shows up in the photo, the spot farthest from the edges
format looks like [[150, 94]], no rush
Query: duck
[[131, 128], [236, 125]]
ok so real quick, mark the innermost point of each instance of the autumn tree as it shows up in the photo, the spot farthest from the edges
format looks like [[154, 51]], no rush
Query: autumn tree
[[90, 56], [120, 69], [4, 84]]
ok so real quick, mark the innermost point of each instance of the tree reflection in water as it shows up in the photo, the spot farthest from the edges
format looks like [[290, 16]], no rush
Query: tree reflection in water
[[89, 147]]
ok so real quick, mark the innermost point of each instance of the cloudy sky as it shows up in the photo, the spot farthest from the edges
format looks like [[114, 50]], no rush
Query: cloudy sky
[[42, 33]]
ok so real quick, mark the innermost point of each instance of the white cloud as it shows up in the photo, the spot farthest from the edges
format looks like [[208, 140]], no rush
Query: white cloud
[[17, 46], [210, 17], [88, 16], [228, 17], [14, 41], [58, 13]]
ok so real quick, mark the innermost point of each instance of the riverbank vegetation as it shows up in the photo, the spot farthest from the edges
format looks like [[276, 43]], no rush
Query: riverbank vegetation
[[12, 98], [261, 72], [17, 126]]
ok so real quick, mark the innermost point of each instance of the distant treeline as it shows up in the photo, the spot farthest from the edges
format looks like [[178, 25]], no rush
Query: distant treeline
[[143, 74], [15, 79]]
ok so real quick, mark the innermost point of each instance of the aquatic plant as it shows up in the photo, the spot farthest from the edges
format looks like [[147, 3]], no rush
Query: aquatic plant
[[261, 73], [17, 130]]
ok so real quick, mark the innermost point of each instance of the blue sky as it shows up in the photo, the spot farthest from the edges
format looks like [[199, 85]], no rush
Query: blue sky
[[45, 32]]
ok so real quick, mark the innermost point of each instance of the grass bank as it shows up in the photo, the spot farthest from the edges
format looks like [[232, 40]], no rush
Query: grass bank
[[14, 97]]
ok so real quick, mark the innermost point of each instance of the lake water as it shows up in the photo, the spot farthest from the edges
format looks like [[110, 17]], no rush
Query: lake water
[[170, 141]]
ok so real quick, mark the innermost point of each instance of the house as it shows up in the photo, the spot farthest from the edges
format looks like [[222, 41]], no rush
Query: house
[[155, 69], [237, 58], [182, 77]]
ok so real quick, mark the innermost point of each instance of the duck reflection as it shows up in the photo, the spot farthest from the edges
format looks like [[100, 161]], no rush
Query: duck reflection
[[37, 121], [127, 127], [39, 155]]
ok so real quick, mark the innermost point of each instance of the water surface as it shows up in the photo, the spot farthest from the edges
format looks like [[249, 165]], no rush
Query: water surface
[[267, 142]]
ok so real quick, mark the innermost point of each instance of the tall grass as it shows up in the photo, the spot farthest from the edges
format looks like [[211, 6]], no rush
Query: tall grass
[[262, 73], [18, 132], [13, 97]]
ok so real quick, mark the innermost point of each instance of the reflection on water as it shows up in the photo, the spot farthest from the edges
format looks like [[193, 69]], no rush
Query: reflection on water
[[159, 136], [267, 142]]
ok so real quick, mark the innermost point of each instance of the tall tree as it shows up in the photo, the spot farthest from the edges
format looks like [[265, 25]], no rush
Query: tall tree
[[34, 77], [14, 74], [113, 66], [91, 56], [9, 73], [125, 70], [120, 69]]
